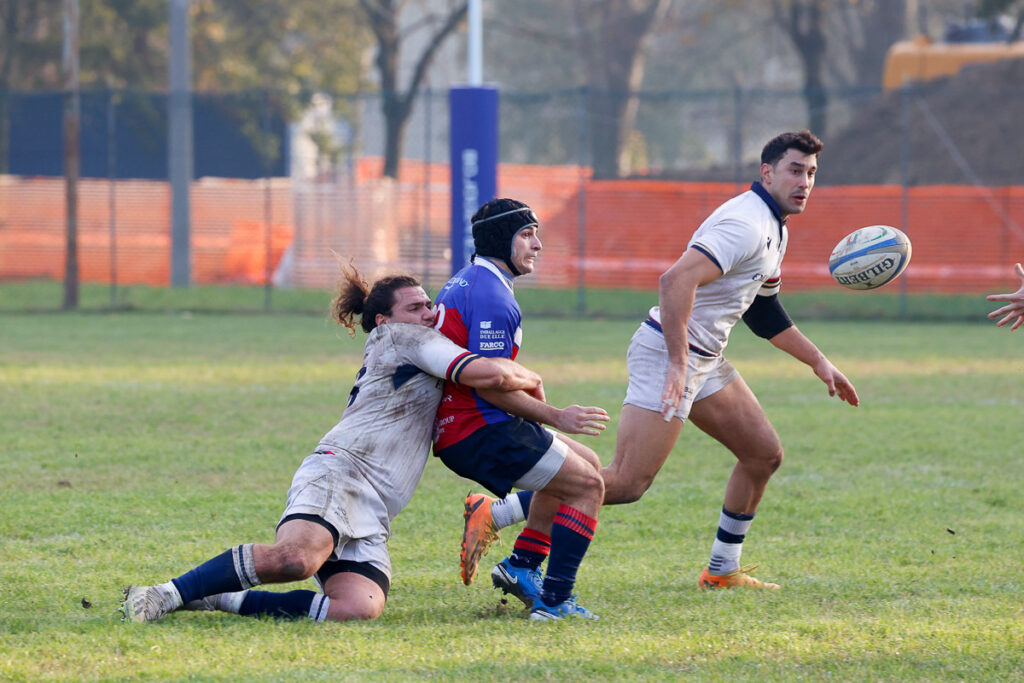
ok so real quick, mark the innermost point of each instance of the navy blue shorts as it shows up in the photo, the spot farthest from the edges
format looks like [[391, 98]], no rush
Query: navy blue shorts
[[496, 456]]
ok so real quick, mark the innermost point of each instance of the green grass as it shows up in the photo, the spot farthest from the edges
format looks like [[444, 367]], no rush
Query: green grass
[[831, 304], [138, 444]]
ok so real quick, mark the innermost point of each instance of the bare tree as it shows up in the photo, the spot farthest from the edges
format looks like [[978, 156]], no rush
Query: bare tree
[[611, 36], [396, 104], [803, 21], [29, 50], [861, 34]]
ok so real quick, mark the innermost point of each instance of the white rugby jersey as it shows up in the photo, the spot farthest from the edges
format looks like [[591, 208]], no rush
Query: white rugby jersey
[[387, 427], [746, 238]]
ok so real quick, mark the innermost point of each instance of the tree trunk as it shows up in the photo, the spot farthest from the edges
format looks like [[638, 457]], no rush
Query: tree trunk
[[396, 106], [396, 118], [615, 68], [804, 24]]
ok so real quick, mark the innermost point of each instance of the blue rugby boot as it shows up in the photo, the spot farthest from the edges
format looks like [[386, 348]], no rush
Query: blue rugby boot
[[521, 582], [543, 612]]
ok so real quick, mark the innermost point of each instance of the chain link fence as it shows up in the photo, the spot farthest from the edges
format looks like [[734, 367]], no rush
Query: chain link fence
[[284, 187]]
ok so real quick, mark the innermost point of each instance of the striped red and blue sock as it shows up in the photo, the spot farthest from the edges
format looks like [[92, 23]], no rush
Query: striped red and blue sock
[[571, 534], [530, 549]]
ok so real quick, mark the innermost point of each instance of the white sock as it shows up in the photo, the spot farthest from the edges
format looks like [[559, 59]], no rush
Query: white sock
[[728, 545], [245, 565], [507, 511], [230, 602], [725, 557], [318, 610], [173, 596]]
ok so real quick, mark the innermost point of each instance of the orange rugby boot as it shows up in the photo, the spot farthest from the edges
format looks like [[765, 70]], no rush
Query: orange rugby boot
[[478, 535], [738, 578]]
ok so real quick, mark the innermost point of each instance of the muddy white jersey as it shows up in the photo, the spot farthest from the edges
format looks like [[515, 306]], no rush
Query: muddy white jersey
[[746, 239], [387, 427]]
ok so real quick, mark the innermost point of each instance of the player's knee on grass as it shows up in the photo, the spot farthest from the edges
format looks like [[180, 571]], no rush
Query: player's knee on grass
[[355, 610], [354, 597]]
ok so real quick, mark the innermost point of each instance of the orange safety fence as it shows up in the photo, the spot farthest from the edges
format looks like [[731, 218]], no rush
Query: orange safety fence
[[601, 233], [228, 229]]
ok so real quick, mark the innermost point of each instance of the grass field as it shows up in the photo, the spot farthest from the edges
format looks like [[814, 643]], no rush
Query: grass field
[[831, 304], [136, 445]]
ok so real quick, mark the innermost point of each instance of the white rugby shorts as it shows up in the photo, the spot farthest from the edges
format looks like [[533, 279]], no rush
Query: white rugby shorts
[[331, 487], [647, 362]]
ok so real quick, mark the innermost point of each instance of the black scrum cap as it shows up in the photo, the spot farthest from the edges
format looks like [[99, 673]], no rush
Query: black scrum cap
[[492, 234]]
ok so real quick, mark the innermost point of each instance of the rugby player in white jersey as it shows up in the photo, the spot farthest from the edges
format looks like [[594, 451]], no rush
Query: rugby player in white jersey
[[730, 270], [336, 522]]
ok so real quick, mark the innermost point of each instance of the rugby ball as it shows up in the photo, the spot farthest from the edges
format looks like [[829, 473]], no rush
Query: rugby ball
[[870, 257]]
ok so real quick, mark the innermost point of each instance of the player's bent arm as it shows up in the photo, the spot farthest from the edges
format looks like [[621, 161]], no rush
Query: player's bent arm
[[795, 343], [574, 419], [500, 375], [677, 288]]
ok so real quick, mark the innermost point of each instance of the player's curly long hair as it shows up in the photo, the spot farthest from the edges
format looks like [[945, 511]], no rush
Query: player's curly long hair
[[355, 297]]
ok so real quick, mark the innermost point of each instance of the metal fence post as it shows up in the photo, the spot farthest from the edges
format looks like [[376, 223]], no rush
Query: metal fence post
[[737, 135], [581, 210], [905, 177], [267, 200], [112, 190], [72, 152], [427, 153], [179, 142]]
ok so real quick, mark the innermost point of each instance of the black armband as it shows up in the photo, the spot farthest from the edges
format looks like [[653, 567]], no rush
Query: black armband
[[766, 317]]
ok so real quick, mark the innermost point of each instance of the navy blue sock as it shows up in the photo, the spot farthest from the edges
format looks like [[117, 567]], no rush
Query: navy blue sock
[[231, 571], [290, 605], [571, 534], [524, 500]]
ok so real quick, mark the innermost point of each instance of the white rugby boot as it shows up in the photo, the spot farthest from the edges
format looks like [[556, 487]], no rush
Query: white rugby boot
[[149, 603]]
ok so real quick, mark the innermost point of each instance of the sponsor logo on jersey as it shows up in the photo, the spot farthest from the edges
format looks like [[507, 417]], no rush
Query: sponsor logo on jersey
[[488, 332], [492, 346], [461, 282]]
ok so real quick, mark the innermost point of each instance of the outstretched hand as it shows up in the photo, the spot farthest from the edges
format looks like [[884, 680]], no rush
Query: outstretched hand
[[582, 420], [1013, 311], [836, 382]]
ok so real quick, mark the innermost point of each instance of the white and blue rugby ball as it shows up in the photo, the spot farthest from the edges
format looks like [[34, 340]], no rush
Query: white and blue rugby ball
[[870, 257]]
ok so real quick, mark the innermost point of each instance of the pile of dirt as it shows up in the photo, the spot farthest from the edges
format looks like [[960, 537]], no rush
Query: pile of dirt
[[964, 129]]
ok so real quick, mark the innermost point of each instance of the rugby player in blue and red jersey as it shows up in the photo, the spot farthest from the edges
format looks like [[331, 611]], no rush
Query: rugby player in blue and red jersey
[[499, 440]]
